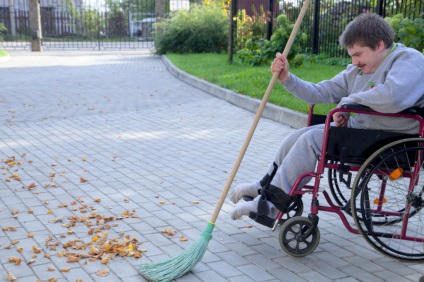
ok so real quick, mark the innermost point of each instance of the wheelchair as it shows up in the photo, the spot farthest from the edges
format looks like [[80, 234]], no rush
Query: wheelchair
[[376, 177]]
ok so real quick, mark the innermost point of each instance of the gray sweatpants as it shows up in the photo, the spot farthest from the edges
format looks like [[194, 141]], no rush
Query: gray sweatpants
[[297, 154]]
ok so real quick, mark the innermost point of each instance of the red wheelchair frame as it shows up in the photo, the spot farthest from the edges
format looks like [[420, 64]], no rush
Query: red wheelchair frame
[[385, 213]]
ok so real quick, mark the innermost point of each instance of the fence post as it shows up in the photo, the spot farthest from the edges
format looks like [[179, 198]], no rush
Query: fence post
[[315, 28], [379, 8], [270, 17], [232, 26], [35, 25], [12, 18]]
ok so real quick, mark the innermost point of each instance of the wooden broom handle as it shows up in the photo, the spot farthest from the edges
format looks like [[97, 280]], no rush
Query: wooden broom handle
[[258, 115]]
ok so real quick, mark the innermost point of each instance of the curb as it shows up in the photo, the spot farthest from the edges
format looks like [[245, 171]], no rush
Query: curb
[[273, 112]]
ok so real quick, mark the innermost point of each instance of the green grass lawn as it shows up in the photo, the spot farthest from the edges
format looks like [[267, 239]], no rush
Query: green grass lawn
[[3, 53], [253, 81]]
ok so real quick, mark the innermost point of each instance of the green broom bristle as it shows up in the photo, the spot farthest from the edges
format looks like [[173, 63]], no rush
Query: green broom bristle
[[178, 266]]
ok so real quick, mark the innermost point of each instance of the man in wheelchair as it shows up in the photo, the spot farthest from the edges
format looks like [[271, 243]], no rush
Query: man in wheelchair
[[385, 76]]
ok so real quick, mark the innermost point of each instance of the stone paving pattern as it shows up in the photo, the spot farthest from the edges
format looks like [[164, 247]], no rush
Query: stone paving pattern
[[151, 145]]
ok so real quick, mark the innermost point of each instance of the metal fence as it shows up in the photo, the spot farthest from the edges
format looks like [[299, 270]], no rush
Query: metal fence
[[325, 20], [128, 24], [84, 24]]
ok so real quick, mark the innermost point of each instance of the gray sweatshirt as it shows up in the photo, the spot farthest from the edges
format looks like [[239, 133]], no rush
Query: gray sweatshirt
[[396, 85]]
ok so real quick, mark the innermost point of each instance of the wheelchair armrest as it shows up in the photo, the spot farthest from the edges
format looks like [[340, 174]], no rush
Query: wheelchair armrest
[[358, 107]]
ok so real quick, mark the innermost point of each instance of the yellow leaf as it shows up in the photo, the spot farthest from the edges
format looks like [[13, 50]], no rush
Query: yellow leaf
[[36, 250], [65, 269]]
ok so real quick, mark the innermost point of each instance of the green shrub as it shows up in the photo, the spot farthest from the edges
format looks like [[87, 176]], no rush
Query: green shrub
[[408, 32], [202, 29], [267, 49], [324, 59], [250, 28], [2, 29]]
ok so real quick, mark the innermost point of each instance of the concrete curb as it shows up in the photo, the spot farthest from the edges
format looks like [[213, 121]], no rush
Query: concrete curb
[[273, 112]]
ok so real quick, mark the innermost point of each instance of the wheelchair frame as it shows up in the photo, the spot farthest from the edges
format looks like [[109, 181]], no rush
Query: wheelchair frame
[[384, 221]]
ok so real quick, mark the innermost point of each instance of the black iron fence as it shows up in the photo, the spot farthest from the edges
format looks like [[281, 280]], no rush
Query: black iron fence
[[123, 24], [82, 24], [323, 23]]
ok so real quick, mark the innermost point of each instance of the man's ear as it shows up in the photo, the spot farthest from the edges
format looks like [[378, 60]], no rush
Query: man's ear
[[380, 46]]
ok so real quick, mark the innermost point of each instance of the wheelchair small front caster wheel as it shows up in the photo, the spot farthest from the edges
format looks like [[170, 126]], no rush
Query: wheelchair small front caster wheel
[[295, 208], [299, 236]]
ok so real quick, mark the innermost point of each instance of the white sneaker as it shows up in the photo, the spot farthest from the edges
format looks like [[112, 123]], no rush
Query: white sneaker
[[244, 208], [245, 189]]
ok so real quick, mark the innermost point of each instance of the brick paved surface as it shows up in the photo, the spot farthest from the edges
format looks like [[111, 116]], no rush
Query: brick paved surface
[[104, 134]]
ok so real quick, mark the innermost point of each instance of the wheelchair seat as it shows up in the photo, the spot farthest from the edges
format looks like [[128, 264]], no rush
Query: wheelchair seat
[[352, 145]]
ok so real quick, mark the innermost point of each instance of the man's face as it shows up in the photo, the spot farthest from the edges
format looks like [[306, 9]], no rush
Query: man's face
[[366, 58]]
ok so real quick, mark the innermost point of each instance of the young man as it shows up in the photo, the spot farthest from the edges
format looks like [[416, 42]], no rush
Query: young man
[[385, 76]]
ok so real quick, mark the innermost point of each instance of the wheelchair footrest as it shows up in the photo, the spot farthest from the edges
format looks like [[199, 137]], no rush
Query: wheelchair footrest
[[264, 220]]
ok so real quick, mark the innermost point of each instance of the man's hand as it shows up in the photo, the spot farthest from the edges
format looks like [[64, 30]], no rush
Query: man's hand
[[281, 65], [340, 119]]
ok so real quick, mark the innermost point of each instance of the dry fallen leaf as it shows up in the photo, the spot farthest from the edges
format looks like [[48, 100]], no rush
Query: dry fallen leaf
[[65, 269], [82, 180], [169, 232], [73, 259], [29, 262], [36, 250], [102, 272], [16, 260], [10, 277], [183, 239]]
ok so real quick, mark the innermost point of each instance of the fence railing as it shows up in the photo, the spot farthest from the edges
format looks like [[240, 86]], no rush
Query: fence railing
[[79, 24], [323, 23]]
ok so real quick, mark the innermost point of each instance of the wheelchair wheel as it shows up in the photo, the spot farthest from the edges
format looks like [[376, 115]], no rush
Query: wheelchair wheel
[[339, 191], [299, 236], [295, 208], [388, 200]]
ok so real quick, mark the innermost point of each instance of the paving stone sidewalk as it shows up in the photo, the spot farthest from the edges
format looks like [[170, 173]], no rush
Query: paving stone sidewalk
[[113, 138]]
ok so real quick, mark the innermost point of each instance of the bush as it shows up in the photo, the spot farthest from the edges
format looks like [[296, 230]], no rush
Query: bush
[[202, 29], [408, 32], [266, 49], [2, 29], [250, 28]]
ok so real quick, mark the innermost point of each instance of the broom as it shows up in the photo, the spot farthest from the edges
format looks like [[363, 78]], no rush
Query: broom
[[181, 264]]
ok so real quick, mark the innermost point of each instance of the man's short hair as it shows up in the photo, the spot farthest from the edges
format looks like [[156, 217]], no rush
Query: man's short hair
[[367, 30]]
